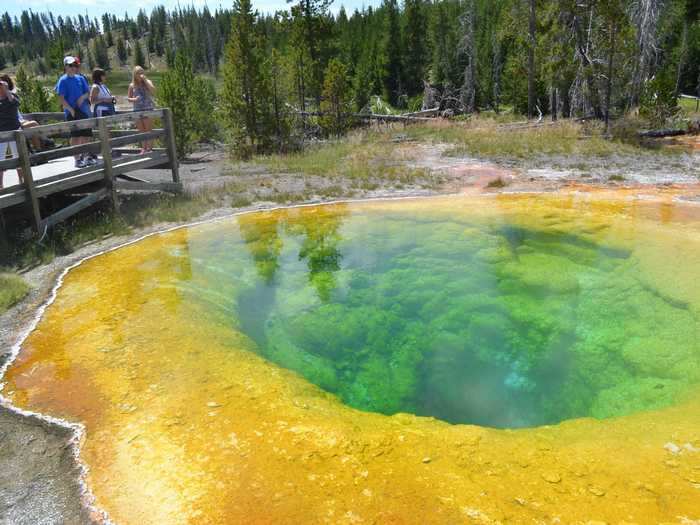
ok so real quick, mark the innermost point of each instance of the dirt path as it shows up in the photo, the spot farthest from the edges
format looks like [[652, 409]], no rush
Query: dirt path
[[39, 476]]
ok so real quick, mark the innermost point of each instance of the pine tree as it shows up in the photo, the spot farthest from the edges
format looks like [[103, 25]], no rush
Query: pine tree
[[245, 94], [101, 54], [335, 99], [33, 97], [121, 51], [191, 99], [278, 76], [415, 45], [309, 38], [139, 58], [393, 59]]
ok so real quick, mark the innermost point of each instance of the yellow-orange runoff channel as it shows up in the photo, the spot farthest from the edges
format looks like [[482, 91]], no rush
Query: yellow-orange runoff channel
[[184, 424]]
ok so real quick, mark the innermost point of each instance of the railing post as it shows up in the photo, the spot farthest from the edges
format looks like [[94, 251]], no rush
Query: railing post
[[106, 151], [25, 163], [170, 143]]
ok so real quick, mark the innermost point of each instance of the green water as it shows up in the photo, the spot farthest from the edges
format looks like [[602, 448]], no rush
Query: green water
[[485, 320]]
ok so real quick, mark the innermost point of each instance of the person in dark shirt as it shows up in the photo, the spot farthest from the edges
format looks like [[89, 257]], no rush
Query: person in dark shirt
[[9, 121]]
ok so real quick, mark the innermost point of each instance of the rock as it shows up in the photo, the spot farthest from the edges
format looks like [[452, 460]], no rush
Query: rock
[[551, 477]]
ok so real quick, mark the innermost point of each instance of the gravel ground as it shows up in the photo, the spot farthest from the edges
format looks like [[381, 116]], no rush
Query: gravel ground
[[39, 475]]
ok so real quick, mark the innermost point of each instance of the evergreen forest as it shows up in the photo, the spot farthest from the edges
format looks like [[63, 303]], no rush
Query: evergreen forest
[[564, 58]]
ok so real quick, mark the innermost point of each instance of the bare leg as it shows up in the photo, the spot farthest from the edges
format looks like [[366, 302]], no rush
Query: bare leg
[[75, 141], [141, 126], [148, 126]]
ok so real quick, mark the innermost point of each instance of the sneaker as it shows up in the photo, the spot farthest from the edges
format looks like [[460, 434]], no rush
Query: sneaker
[[80, 163], [91, 161]]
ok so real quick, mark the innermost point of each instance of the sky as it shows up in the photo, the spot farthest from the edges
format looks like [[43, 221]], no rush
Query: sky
[[95, 8]]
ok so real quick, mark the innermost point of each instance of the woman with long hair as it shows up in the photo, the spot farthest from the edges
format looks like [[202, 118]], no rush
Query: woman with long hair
[[140, 93]]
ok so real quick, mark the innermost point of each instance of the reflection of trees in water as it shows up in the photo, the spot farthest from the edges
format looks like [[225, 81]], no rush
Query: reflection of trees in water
[[261, 236], [321, 230]]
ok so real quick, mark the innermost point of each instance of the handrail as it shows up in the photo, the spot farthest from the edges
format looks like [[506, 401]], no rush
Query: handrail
[[47, 130], [103, 174], [9, 164]]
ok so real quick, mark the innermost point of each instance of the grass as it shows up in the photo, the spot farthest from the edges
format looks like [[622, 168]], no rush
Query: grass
[[12, 290], [485, 139], [689, 107], [362, 160], [137, 211]]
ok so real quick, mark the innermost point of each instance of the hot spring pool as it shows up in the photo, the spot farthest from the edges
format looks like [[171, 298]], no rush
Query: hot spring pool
[[217, 368]]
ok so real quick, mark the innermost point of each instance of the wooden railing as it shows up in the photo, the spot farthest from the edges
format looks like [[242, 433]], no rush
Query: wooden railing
[[103, 176]]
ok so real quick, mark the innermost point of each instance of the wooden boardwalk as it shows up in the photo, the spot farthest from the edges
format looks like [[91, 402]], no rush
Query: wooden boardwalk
[[52, 172]]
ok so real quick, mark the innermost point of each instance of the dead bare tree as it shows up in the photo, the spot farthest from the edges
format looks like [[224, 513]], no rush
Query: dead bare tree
[[531, 95], [468, 50], [431, 97], [644, 15], [609, 80], [583, 93]]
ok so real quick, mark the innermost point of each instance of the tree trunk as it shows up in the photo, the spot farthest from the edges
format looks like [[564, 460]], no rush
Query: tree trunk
[[468, 90], [681, 58], [531, 63], [608, 90], [553, 102], [497, 67]]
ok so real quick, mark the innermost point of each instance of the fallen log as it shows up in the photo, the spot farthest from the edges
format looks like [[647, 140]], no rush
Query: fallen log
[[434, 112], [370, 116], [659, 133]]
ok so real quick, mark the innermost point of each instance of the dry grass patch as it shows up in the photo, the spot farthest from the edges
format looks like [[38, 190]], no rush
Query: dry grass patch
[[485, 138]]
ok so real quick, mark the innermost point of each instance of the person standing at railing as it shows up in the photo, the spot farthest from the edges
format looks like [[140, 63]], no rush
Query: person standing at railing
[[25, 123], [9, 121], [73, 92], [101, 98], [140, 93]]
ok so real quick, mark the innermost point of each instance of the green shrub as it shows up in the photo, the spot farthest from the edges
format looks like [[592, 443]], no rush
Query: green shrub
[[336, 104], [191, 99], [658, 103], [34, 98]]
